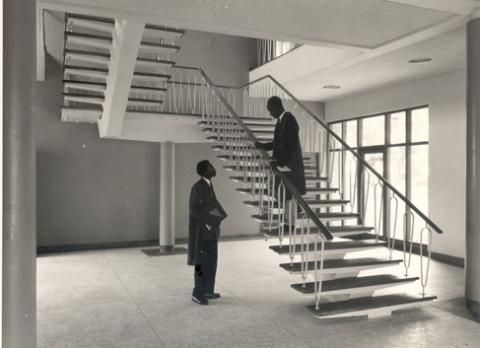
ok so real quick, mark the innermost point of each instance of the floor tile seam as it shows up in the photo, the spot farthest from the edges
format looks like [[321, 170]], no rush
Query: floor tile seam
[[142, 313]]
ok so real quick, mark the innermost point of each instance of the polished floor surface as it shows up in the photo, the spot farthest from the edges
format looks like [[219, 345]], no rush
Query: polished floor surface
[[123, 298]]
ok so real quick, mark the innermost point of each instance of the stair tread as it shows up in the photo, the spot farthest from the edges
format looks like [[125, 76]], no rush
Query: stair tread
[[284, 249], [352, 283], [333, 230], [233, 166], [83, 68], [341, 263], [102, 97], [320, 215], [308, 201], [259, 131], [249, 179], [87, 53], [105, 85], [89, 36], [366, 303]]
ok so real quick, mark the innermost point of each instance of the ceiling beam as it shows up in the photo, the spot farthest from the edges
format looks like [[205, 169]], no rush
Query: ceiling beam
[[127, 36], [459, 7]]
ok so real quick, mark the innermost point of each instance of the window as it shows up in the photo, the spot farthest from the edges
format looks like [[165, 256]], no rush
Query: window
[[373, 131], [405, 149]]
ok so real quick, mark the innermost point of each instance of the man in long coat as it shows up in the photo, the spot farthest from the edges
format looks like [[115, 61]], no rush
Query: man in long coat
[[287, 151], [203, 234]]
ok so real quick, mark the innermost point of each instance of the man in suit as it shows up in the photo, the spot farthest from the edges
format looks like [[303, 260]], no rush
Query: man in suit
[[203, 234], [287, 151]]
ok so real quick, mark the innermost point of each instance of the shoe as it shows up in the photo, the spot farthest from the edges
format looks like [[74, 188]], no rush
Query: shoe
[[200, 300], [213, 296]]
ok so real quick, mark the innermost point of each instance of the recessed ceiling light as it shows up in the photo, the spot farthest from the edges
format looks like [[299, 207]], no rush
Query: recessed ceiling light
[[332, 87], [420, 60]]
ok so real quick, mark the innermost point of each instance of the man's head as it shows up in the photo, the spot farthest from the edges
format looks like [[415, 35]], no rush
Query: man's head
[[205, 169], [275, 106]]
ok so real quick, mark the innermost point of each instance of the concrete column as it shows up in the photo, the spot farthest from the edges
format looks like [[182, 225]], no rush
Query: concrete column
[[472, 259], [19, 177], [167, 197]]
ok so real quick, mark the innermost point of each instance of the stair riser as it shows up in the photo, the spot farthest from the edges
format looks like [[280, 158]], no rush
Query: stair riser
[[104, 44]]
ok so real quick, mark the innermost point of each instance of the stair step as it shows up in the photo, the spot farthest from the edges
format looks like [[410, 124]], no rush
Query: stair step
[[336, 231], [85, 85], [89, 114], [332, 246], [312, 203], [321, 216], [166, 33], [84, 71], [250, 124], [365, 305], [161, 48], [254, 131], [143, 76], [98, 41], [100, 24], [100, 87], [87, 56], [96, 99], [308, 179], [342, 285], [342, 265], [248, 158], [85, 98], [157, 63], [319, 190], [248, 168], [261, 137]]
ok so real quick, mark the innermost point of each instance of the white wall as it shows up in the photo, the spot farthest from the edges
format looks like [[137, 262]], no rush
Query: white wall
[[445, 94]]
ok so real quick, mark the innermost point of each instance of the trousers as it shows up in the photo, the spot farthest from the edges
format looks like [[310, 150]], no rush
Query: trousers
[[205, 274]]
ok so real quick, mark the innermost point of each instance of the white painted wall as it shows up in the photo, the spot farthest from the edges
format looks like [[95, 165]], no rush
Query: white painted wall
[[445, 94]]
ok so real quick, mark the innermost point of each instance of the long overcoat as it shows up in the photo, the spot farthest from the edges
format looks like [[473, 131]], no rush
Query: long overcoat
[[288, 151], [202, 197]]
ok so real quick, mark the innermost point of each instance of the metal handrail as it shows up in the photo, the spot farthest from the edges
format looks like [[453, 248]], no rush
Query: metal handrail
[[344, 144], [324, 232]]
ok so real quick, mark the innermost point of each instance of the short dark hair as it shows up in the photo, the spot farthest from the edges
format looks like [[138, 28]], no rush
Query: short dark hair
[[202, 167], [275, 101]]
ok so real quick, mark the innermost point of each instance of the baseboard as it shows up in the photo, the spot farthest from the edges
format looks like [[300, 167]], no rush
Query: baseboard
[[42, 250], [444, 258], [93, 246]]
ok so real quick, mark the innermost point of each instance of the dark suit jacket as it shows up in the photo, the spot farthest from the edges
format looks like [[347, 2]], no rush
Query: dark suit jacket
[[288, 151], [202, 197]]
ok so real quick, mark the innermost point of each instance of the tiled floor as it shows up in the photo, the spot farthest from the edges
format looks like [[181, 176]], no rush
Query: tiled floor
[[123, 298]]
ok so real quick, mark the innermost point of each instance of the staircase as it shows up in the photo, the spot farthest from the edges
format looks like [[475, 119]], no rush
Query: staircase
[[349, 224]]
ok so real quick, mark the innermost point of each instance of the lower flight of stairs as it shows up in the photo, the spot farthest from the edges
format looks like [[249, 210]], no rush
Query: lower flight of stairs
[[345, 289]]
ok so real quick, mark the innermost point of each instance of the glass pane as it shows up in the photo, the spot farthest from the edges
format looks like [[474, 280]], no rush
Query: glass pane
[[337, 128], [397, 168], [373, 192], [420, 125], [373, 130], [351, 130], [419, 186], [397, 128]]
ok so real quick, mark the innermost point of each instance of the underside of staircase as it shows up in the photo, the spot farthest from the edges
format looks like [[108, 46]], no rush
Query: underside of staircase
[[346, 264]]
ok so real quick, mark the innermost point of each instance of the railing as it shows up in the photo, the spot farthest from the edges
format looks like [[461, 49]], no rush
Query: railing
[[268, 50], [379, 203]]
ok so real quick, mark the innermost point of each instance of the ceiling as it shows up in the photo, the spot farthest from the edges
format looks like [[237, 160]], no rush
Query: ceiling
[[352, 43]]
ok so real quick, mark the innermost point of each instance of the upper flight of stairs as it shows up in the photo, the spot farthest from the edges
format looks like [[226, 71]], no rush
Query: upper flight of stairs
[[87, 58], [345, 291]]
